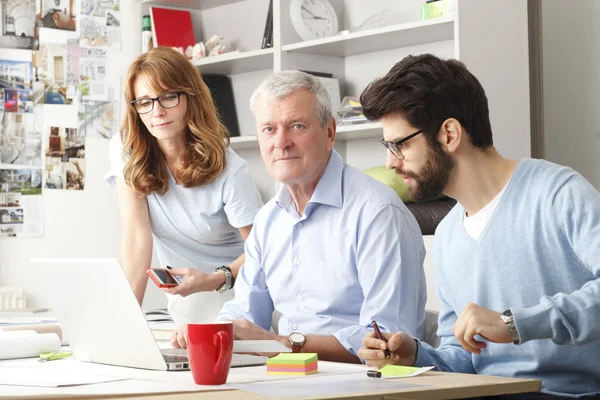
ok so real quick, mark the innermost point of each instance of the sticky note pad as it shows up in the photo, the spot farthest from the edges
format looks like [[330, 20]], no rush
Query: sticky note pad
[[397, 370], [293, 364]]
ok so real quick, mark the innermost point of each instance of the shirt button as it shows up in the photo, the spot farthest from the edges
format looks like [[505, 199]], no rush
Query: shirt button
[[300, 225], [298, 262], [301, 298], [294, 327]]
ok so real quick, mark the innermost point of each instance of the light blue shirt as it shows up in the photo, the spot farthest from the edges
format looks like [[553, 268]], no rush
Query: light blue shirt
[[356, 255], [198, 227], [538, 255]]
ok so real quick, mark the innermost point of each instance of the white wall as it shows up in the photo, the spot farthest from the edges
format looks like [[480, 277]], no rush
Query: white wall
[[571, 81], [77, 223]]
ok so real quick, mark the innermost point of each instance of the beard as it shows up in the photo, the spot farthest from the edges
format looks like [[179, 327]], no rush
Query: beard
[[433, 178]]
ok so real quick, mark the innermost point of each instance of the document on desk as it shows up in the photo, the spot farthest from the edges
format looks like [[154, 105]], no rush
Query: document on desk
[[329, 385], [44, 378]]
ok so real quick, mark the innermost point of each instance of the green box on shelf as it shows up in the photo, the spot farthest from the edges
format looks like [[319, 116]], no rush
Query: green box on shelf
[[437, 8]]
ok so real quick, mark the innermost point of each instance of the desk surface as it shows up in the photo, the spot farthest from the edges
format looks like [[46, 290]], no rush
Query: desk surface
[[440, 385]]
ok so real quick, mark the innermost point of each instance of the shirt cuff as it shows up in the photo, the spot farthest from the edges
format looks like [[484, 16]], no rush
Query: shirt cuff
[[532, 323], [423, 358], [352, 338]]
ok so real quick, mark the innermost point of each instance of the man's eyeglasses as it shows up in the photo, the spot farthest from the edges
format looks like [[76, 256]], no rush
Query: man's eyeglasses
[[167, 100], [396, 147]]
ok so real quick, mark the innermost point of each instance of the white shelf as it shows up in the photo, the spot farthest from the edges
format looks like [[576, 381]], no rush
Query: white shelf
[[244, 142], [190, 4], [369, 130], [390, 37], [236, 63], [359, 131]]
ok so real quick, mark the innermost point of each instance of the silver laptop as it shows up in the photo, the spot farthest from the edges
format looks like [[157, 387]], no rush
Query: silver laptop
[[100, 316]]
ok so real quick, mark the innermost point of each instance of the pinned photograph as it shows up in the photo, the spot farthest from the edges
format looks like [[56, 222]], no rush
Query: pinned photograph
[[54, 73], [100, 25], [65, 160], [10, 199], [11, 216], [56, 14], [17, 24], [20, 142], [15, 75], [20, 182], [11, 100]]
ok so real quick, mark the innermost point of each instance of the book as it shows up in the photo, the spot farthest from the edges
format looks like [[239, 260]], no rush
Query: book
[[267, 40], [172, 28]]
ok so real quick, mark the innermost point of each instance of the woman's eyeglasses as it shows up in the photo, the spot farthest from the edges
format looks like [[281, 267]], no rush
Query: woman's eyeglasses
[[167, 100], [396, 147]]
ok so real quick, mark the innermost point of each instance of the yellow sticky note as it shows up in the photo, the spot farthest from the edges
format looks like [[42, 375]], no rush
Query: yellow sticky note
[[397, 370]]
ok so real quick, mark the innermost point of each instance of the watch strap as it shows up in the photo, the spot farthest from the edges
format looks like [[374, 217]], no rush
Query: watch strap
[[229, 278], [508, 318]]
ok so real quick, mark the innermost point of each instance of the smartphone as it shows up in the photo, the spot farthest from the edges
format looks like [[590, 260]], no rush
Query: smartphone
[[162, 278]]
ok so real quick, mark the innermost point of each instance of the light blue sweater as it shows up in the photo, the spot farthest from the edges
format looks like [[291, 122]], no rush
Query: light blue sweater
[[539, 255]]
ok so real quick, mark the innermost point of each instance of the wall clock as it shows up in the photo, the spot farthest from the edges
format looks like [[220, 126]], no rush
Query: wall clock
[[313, 19]]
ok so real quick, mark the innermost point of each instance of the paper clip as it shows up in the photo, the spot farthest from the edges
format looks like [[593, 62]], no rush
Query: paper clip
[[51, 356]]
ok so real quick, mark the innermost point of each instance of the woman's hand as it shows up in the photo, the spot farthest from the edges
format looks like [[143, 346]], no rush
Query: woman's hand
[[195, 281]]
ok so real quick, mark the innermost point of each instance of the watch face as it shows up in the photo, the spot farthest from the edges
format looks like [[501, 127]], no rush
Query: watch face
[[313, 19], [297, 337]]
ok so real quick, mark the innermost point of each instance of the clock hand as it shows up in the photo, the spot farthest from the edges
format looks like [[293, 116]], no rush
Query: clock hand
[[313, 15]]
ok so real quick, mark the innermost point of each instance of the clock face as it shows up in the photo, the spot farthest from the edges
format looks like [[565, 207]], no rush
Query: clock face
[[313, 19]]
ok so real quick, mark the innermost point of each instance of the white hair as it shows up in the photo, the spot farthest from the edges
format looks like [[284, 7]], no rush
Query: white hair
[[281, 84]]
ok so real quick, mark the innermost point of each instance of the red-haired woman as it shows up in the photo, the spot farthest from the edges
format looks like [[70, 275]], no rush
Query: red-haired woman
[[180, 186]]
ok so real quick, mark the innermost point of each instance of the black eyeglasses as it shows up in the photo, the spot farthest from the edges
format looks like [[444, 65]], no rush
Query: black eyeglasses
[[167, 100], [396, 147]]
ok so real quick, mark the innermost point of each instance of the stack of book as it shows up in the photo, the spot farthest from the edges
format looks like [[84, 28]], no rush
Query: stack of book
[[293, 364]]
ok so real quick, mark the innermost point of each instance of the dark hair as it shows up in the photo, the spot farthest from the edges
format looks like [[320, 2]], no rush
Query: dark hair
[[426, 90]]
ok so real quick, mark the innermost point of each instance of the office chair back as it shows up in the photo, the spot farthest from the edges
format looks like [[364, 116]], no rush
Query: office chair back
[[430, 329]]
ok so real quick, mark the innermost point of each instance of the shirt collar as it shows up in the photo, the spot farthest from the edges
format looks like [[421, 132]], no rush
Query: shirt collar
[[328, 190]]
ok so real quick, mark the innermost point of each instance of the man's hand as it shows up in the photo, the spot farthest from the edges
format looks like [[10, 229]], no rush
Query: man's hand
[[195, 281], [179, 337], [476, 320], [246, 330], [403, 349]]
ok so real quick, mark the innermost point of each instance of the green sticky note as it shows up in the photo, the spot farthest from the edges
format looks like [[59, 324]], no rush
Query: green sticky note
[[397, 370], [293, 358]]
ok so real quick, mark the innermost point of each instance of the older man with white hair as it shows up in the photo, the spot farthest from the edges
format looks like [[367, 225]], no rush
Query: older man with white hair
[[334, 249]]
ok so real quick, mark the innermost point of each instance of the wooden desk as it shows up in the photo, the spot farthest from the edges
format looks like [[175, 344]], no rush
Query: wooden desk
[[442, 385]]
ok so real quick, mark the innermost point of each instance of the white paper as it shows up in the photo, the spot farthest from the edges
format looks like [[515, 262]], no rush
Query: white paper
[[33, 377], [21, 346], [320, 385]]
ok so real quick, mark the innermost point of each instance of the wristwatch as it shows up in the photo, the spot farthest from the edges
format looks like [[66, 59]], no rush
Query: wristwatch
[[508, 318], [229, 278], [297, 340]]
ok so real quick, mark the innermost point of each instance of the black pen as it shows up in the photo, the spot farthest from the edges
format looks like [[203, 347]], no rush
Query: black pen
[[380, 337]]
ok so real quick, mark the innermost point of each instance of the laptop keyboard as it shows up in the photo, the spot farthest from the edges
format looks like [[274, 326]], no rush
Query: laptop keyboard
[[175, 355]]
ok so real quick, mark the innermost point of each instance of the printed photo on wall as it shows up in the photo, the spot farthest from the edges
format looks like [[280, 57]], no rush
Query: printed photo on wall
[[17, 23], [100, 25], [15, 75], [21, 206], [20, 141], [65, 159], [53, 73], [56, 14], [19, 182]]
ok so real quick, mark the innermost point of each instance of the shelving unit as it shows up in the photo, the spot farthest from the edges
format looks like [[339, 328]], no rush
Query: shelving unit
[[236, 63], [391, 37], [477, 34], [372, 130]]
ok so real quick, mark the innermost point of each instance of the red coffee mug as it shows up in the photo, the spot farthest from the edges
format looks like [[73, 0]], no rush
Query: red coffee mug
[[210, 347]]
